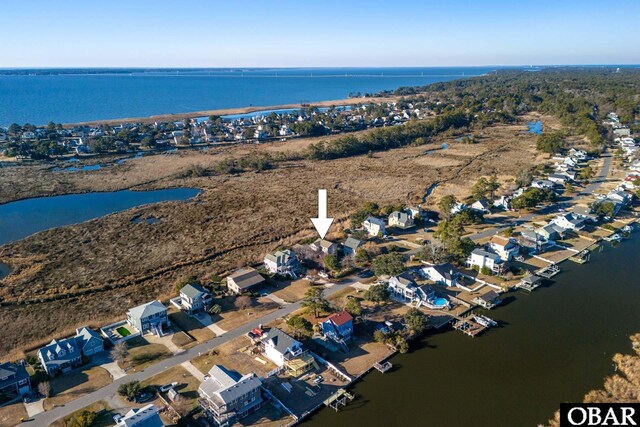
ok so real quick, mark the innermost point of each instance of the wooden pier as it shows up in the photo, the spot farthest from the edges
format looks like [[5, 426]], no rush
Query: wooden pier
[[549, 271], [339, 398], [383, 367], [581, 257], [469, 327]]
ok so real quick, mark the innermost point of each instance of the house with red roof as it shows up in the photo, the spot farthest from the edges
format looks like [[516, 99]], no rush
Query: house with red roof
[[338, 326]]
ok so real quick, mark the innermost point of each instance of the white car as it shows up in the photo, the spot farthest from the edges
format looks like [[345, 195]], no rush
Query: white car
[[166, 388]]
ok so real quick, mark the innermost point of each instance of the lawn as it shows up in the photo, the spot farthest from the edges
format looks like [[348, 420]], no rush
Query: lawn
[[10, 415], [104, 415], [191, 326], [267, 416], [77, 383], [187, 383], [124, 332], [142, 354], [235, 355], [232, 317], [294, 291]]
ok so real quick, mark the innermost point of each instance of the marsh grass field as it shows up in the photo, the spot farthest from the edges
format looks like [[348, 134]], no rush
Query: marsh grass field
[[121, 263]]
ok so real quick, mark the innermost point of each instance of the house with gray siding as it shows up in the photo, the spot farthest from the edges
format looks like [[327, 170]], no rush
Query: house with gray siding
[[149, 317]]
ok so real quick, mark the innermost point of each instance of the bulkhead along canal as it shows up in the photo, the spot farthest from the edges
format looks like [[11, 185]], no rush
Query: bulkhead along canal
[[554, 346]]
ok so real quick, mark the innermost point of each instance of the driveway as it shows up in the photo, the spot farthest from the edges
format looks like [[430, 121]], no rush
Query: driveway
[[207, 321]]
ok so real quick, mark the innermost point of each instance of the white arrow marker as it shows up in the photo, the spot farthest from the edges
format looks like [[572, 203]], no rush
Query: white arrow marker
[[322, 223]]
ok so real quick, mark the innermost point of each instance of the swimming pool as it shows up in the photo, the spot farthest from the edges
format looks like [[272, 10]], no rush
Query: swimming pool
[[440, 302]]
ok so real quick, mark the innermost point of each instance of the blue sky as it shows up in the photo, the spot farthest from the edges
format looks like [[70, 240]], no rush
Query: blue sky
[[288, 33]]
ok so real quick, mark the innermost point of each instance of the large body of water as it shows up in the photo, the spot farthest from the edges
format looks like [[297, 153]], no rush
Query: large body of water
[[25, 217], [74, 97], [555, 346]]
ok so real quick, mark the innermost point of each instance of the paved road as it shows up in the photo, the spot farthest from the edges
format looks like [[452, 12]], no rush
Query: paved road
[[597, 181], [45, 418]]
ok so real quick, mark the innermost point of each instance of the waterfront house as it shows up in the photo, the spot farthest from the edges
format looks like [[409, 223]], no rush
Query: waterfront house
[[568, 221], [506, 247], [194, 298], [481, 258], [226, 396], [89, 341], [401, 220], [243, 280], [338, 326], [488, 300], [350, 246], [445, 274], [585, 213], [281, 262], [548, 232], [482, 206], [146, 416], [14, 379], [150, 317], [60, 356], [402, 287], [374, 226], [287, 353], [325, 246], [532, 240]]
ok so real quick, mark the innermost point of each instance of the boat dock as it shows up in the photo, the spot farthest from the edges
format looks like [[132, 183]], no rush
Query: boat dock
[[549, 271], [581, 257], [469, 327], [383, 367], [339, 398]]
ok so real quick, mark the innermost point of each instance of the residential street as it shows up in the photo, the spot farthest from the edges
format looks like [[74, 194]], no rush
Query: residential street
[[43, 419]]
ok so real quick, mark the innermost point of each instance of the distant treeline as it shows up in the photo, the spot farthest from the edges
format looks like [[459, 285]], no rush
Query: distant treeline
[[413, 132]]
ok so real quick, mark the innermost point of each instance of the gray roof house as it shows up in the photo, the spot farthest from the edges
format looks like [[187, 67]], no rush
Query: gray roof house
[[227, 396], [401, 220], [147, 416], [350, 246], [194, 298], [60, 356], [14, 379], [243, 280], [278, 346], [488, 300], [149, 317], [89, 341], [281, 262]]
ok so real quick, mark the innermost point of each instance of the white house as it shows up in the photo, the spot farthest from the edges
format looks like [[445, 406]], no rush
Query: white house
[[458, 207], [324, 246], [506, 247], [445, 273], [401, 220], [481, 258], [482, 206], [374, 226], [281, 262], [568, 221], [280, 347]]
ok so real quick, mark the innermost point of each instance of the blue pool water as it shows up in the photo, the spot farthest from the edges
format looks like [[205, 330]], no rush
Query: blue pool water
[[440, 302], [83, 95], [535, 127]]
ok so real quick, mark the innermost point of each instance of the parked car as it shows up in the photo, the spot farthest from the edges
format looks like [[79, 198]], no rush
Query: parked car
[[167, 387], [318, 379], [143, 397], [117, 418]]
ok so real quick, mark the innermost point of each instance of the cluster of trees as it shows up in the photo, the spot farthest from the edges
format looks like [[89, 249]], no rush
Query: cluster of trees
[[484, 188], [551, 142], [455, 247], [255, 161], [390, 264], [532, 197], [604, 208], [386, 138]]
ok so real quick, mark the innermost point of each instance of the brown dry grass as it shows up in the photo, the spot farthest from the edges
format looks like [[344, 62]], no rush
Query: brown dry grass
[[295, 291], [234, 222], [191, 326], [234, 355], [73, 385], [10, 415], [142, 354]]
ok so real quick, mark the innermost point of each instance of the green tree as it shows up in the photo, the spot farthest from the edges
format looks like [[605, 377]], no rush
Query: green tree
[[388, 264], [84, 418], [300, 327], [353, 307], [331, 262], [446, 204], [551, 142], [416, 321], [377, 293], [362, 256], [315, 302], [129, 390]]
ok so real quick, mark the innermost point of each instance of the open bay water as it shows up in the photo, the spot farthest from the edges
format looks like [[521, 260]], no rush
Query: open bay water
[[69, 96], [554, 346]]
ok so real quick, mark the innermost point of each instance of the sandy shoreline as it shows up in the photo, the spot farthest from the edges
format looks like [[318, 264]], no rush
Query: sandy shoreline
[[227, 111]]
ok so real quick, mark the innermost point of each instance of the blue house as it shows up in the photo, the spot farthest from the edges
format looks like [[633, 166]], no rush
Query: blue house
[[338, 326]]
